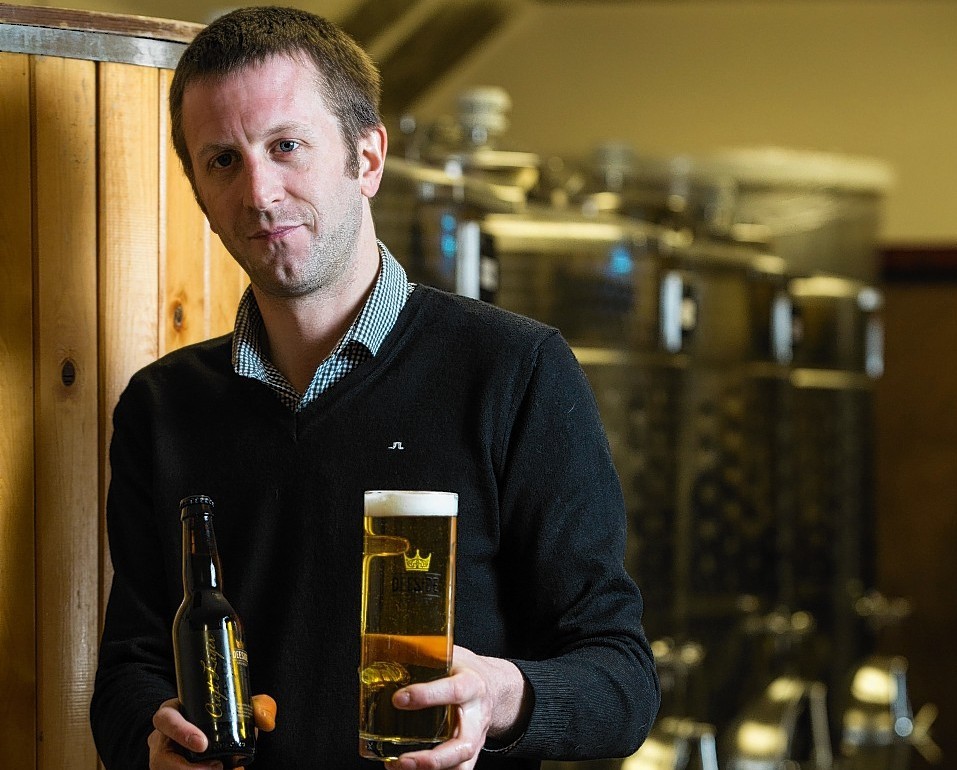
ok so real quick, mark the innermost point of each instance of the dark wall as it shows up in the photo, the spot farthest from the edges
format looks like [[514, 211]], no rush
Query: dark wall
[[917, 490]]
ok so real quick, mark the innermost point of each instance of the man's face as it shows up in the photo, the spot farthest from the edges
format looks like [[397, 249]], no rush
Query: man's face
[[270, 171]]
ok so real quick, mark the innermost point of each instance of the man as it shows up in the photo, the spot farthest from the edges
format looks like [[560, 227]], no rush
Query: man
[[342, 376]]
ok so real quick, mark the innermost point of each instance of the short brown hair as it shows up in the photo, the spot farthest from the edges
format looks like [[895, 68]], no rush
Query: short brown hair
[[349, 81]]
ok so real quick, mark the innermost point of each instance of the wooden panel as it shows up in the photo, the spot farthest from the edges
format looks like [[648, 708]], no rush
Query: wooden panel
[[227, 283], [67, 444], [128, 244], [183, 273], [17, 584]]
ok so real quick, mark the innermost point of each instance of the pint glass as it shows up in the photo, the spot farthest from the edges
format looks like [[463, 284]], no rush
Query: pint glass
[[408, 589]]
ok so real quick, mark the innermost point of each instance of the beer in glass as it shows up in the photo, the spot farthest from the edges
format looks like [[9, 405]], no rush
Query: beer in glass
[[408, 588]]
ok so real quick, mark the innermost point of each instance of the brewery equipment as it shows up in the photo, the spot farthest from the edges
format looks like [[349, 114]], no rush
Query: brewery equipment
[[725, 312], [676, 744], [677, 741], [785, 728], [829, 550], [818, 211], [878, 728]]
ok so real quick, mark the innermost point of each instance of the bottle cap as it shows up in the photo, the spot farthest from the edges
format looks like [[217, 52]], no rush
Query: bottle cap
[[192, 500]]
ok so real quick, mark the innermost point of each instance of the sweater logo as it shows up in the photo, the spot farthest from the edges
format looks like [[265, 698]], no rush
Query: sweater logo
[[397, 445]]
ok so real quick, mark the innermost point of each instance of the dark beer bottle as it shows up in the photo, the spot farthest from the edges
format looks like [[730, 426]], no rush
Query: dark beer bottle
[[212, 672]]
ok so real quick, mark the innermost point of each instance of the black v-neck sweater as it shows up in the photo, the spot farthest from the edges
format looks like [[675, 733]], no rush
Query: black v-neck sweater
[[462, 397]]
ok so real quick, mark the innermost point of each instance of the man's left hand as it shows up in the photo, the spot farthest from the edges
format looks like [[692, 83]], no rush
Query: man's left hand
[[491, 699]]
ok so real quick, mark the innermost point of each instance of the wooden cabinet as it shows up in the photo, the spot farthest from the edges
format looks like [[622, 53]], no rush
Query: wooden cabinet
[[106, 263]]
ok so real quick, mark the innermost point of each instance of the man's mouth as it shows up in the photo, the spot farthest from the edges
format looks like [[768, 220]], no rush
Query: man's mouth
[[273, 233]]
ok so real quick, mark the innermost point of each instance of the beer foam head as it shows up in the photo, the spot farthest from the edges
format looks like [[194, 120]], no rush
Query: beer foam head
[[392, 502]]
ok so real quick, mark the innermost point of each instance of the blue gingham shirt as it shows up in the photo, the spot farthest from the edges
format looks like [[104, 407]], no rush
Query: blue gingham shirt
[[360, 343]]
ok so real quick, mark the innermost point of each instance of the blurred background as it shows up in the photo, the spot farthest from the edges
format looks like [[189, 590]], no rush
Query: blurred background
[[741, 213]]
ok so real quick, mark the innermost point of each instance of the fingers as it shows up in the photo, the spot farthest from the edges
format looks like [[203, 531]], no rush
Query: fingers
[[490, 698], [264, 712], [461, 687], [456, 754], [171, 728], [170, 722], [467, 693]]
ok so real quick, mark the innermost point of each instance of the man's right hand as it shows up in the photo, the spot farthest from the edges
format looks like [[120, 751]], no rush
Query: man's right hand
[[172, 730]]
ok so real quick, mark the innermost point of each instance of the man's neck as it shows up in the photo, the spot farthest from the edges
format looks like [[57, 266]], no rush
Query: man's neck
[[301, 332]]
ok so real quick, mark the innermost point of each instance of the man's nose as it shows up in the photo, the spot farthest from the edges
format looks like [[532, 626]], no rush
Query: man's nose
[[264, 185]]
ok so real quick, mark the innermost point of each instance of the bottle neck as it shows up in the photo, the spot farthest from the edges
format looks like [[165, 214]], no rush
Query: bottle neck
[[201, 570]]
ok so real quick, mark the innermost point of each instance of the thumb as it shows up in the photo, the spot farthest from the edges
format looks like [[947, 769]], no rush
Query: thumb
[[264, 712]]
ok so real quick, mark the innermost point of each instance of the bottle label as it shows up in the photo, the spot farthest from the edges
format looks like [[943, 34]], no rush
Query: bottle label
[[220, 664], [215, 679]]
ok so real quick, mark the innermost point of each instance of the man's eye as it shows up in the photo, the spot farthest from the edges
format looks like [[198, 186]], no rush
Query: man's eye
[[222, 161], [287, 145]]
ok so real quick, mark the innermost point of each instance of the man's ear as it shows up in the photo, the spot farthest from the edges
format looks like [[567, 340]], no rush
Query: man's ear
[[372, 149]]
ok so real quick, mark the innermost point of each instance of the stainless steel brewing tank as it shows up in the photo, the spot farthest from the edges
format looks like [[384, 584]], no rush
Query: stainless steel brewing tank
[[828, 414], [676, 338], [428, 217], [592, 278], [722, 310], [819, 211], [598, 282], [720, 303]]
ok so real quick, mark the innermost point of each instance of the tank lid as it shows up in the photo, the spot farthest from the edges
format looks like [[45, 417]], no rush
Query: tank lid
[[792, 168]]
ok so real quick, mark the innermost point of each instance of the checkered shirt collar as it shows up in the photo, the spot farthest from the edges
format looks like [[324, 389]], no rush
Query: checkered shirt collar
[[360, 342]]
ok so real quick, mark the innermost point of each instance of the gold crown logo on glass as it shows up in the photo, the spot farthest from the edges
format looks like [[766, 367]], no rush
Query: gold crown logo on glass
[[417, 563]]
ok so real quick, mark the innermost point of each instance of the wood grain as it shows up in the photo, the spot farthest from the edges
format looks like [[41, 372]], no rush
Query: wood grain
[[95, 21], [17, 565], [128, 168], [67, 445], [183, 275], [227, 283]]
